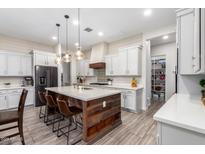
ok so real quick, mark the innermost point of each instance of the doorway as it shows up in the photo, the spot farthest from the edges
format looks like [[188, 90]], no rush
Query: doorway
[[158, 76], [163, 63]]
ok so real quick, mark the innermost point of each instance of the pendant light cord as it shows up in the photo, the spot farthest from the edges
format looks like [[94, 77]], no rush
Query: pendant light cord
[[66, 34], [79, 43], [58, 26]]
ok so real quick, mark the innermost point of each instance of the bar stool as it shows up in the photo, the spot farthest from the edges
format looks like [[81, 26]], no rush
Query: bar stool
[[52, 110], [12, 116], [41, 96], [68, 113]]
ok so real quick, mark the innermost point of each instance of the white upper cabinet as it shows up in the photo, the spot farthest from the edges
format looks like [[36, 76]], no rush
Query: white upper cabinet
[[190, 41], [40, 59], [88, 71], [134, 61], [130, 61], [3, 64], [15, 64], [112, 65], [185, 38], [51, 60], [126, 63], [26, 65], [44, 58], [83, 69]]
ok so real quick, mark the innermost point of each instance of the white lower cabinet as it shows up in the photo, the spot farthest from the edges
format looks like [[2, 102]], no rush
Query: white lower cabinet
[[173, 135], [3, 103], [13, 98], [131, 100], [30, 97], [10, 98]]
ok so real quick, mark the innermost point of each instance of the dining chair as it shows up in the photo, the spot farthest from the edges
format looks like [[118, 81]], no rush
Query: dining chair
[[11, 116]]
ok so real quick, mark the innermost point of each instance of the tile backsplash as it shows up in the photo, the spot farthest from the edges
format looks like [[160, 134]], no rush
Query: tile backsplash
[[100, 76], [12, 80]]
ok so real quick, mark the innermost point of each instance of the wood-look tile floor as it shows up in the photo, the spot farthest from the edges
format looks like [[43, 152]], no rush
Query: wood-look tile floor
[[135, 129]]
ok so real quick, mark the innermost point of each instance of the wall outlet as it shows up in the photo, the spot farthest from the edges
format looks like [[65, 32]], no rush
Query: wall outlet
[[104, 104]]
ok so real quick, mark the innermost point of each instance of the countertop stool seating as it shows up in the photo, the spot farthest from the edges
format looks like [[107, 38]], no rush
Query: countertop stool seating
[[52, 110], [69, 113], [41, 96], [8, 117]]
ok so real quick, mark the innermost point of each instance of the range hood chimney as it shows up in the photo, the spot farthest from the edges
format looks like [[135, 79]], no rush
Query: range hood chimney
[[98, 52]]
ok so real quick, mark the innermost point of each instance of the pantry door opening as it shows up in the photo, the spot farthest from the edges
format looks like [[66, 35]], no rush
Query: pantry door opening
[[158, 78]]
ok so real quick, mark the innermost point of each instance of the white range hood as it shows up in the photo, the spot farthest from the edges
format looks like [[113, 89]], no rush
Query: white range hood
[[98, 52]]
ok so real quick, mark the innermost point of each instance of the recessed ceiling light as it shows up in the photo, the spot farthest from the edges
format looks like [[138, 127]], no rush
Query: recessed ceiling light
[[165, 37], [76, 44], [100, 33], [54, 37], [147, 12], [75, 22]]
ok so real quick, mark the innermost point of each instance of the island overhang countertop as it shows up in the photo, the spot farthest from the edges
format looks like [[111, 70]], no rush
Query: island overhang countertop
[[84, 93]]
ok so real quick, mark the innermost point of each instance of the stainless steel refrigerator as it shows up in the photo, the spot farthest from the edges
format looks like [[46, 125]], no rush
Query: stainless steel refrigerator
[[45, 76]]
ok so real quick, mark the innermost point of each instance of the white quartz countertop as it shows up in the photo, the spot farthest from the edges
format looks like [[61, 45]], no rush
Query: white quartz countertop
[[14, 87], [85, 95], [118, 86], [184, 111]]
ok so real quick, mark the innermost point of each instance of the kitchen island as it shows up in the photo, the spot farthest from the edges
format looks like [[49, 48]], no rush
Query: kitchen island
[[101, 109]]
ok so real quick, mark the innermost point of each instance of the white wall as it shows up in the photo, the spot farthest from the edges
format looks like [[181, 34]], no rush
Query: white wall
[[189, 84], [169, 50], [18, 45]]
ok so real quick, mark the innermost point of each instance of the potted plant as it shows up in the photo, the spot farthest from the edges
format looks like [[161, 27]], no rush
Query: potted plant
[[202, 84]]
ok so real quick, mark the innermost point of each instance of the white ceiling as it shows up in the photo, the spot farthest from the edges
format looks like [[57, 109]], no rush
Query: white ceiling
[[159, 40], [39, 24]]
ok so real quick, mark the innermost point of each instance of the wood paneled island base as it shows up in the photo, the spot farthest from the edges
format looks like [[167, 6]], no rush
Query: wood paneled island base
[[100, 115]]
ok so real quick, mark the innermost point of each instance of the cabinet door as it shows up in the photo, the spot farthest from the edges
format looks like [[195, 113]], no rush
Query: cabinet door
[[13, 99], [123, 99], [3, 64], [197, 43], [14, 65], [115, 65], [30, 97], [29, 65], [86, 68], [26, 65], [123, 62], [3, 103], [108, 63], [81, 67], [40, 59], [130, 102], [78, 68], [51, 60], [133, 61], [186, 42], [88, 71]]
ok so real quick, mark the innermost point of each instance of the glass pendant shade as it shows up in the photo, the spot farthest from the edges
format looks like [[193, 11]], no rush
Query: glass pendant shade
[[58, 60], [67, 57], [79, 53]]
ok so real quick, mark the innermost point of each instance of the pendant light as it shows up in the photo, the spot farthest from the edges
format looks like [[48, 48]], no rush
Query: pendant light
[[79, 53], [67, 55], [58, 50]]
